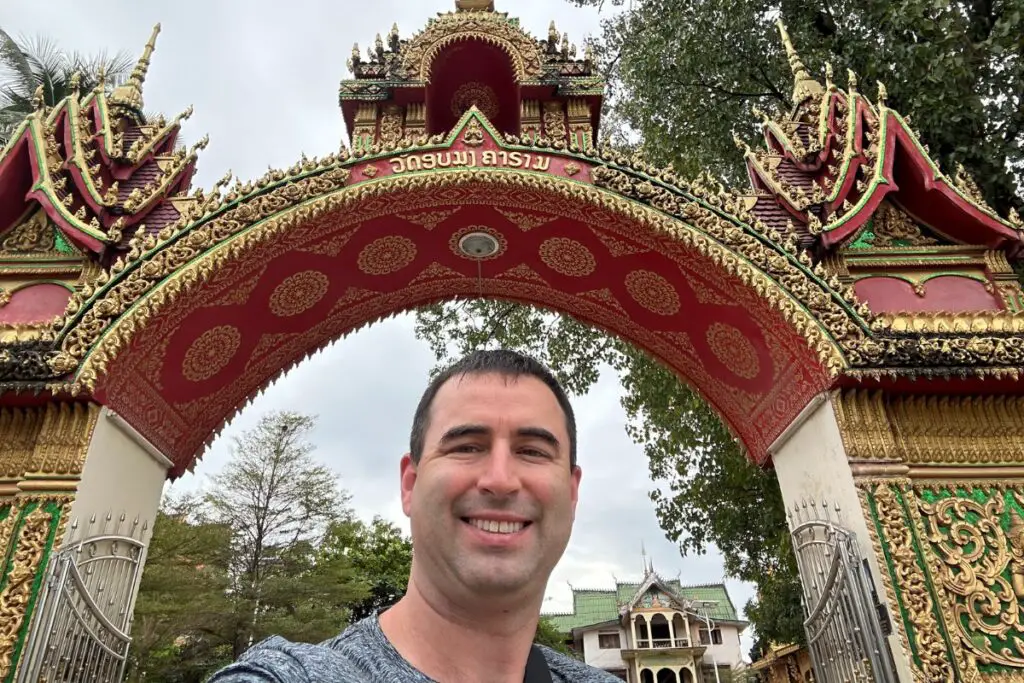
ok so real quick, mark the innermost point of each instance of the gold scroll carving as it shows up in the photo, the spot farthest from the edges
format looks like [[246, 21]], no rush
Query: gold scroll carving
[[391, 125], [554, 122], [50, 440], [35, 235], [977, 537], [892, 227], [24, 566], [942, 430], [912, 586]]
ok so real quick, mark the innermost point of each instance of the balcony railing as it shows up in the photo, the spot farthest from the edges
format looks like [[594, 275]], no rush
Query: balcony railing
[[659, 643]]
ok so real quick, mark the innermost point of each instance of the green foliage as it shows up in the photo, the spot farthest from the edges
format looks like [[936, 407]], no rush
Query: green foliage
[[549, 635], [183, 597], [685, 74], [713, 491], [27, 64], [378, 553], [274, 549]]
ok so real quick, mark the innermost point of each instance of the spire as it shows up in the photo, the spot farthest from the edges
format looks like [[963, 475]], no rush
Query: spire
[[804, 85], [129, 95], [474, 5]]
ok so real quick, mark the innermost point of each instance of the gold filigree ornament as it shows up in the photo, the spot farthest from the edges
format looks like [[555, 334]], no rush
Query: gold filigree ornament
[[653, 292], [101, 321], [298, 293], [28, 553], [733, 350], [911, 585], [567, 257], [495, 29], [983, 570], [210, 353], [474, 133]]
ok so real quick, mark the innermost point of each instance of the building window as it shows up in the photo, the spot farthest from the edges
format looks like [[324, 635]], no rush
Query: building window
[[714, 638], [608, 641]]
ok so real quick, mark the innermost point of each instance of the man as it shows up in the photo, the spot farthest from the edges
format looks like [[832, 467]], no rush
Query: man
[[490, 486]]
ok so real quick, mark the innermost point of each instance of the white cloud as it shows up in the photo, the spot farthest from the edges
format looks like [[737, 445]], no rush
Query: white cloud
[[263, 77]]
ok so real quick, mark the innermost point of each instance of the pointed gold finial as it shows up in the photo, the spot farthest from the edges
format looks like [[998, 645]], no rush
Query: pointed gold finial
[[883, 93], [39, 99], [805, 87], [851, 78], [129, 95], [76, 82], [474, 5]]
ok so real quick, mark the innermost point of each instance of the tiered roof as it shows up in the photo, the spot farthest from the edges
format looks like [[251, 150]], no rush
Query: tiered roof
[[597, 606], [828, 164]]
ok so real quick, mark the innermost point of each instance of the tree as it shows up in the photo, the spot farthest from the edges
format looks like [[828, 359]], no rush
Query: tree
[[279, 504], [685, 73], [26, 65], [182, 598], [379, 554], [681, 436], [549, 635]]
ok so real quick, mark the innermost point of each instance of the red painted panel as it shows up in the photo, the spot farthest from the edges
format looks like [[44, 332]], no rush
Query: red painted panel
[[37, 303], [950, 293]]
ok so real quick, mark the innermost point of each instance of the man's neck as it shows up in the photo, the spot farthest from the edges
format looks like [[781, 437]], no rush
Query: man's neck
[[456, 645]]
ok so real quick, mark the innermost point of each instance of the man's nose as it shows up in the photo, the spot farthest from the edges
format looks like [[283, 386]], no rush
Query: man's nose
[[500, 475]]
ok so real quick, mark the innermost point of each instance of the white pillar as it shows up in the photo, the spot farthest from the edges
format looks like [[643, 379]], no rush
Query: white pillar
[[811, 464]]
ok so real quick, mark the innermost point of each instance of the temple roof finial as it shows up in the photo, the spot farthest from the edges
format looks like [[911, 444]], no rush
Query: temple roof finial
[[805, 86], [474, 5], [130, 94]]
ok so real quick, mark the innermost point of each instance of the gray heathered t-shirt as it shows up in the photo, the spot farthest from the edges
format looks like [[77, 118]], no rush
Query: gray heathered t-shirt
[[362, 654]]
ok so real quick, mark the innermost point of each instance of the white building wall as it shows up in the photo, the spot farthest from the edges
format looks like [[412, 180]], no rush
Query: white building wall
[[603, 659], [729, 652], [122, 474], [810, 463]]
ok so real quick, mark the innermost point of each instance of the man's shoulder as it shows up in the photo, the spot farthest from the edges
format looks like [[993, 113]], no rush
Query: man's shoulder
[[565, 669], [352, 656]]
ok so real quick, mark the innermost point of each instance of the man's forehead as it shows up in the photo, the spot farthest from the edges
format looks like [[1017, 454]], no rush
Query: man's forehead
[[451, 396]]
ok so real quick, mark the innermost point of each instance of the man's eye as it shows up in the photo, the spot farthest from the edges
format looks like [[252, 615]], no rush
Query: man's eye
[[534, 453]]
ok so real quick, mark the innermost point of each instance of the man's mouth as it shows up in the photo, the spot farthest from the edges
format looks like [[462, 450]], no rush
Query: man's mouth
[[495, 527]]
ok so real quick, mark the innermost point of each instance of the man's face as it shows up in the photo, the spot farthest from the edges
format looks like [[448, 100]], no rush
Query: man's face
[[492, 500]]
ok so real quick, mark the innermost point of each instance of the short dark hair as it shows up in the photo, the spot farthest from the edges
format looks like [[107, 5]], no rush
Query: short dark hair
[[500, 362]]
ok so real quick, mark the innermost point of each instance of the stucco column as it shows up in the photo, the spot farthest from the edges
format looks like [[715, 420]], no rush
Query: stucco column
[[933, 489], [60, 462]]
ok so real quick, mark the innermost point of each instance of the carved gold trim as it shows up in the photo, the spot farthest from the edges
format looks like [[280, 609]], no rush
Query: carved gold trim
[[495, 29], [95, 343], [965, 660], [942, 430], [981, 322], [25, 564], [913, 584], [864, 491], [47, 441]]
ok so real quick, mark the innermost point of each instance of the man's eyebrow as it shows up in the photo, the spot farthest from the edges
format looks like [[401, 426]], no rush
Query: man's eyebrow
[[460, 431], [539, 433]]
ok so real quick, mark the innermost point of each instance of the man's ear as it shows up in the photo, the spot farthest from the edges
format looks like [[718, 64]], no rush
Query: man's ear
[[577, 474], [407, 481]]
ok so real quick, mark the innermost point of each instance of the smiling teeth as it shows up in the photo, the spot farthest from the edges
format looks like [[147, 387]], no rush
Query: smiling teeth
[[497, 527]]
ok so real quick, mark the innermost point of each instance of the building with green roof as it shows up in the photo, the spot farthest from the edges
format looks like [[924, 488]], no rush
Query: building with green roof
[[656, 630]]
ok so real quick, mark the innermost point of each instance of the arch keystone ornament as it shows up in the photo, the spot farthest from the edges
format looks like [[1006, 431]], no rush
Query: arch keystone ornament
[[857, 324]]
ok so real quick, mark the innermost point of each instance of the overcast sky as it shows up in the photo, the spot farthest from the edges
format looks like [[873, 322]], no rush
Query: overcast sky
[[263, 76]]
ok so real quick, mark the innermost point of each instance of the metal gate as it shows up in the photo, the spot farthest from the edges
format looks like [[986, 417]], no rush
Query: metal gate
[[843, 616], [81, 627]]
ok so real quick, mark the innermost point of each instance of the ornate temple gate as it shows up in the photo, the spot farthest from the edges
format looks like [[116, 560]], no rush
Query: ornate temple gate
[[853, 315]]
